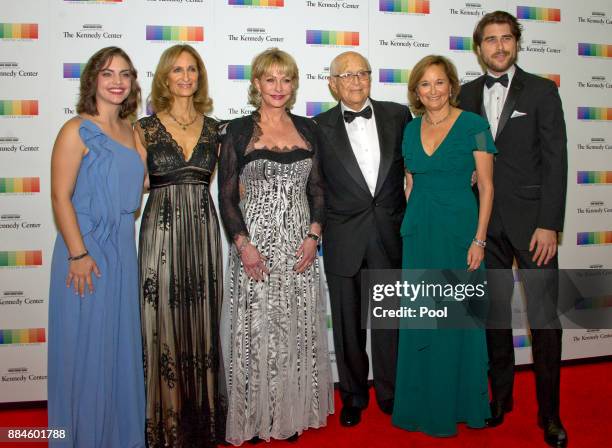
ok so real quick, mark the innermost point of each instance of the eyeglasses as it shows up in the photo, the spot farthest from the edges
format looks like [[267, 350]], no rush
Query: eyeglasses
[[362, 75]]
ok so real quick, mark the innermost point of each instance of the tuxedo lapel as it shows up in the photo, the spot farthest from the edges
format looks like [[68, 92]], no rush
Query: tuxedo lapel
[[342, 146], [383, 123], [478, 106], [516, 86]]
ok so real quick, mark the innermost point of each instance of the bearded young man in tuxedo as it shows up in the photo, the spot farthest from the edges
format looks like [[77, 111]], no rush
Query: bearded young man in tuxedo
[[362, 161], [530, 176]]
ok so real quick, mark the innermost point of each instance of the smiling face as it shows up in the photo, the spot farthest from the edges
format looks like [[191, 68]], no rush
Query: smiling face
[[352, 91], [114, 82], [434, 88], [275, 88], [499, 48], [183, 77]]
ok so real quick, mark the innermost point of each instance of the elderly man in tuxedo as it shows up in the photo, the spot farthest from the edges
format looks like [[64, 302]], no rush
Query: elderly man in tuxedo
[[530, 176], [364, 172]]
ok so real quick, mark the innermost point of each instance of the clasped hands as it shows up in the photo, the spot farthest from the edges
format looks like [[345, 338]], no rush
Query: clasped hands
[[255, 263]]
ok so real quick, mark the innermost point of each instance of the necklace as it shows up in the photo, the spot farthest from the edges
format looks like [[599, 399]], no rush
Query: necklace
[[436, 123], [184, 126]]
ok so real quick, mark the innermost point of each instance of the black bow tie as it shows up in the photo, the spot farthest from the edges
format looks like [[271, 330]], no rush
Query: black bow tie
[[349, 116], [490, 80]]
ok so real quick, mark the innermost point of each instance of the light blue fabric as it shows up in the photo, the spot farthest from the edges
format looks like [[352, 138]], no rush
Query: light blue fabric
[[95, 371]]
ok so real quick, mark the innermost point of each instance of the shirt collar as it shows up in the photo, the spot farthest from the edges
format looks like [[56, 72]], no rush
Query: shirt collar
[[343, 107]]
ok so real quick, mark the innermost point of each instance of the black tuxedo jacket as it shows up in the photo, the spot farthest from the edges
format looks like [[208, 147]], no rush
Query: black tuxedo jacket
[[354, 216], [530, 173]]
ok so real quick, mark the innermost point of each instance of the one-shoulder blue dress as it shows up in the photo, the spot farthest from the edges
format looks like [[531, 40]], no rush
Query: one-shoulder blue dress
[[95, 371]]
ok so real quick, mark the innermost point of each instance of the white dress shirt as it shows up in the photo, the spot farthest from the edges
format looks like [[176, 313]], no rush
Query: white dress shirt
[[364, 143], [494, 99]]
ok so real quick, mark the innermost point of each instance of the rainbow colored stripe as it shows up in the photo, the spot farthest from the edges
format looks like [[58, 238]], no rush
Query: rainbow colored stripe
[[394, 75], [73, 70], [18, 107], [589, 303], [595, 113], [238, 72], [317, 107], [597, 50], [96, 1], [461, 43], [325, 37], [19, 185], [589, 238], [22, 336], [18, 30], [18, 258], [266, 3], [535, 13], [554, 78], [594, 177], [175, 33], [521, 340], [406, 6]]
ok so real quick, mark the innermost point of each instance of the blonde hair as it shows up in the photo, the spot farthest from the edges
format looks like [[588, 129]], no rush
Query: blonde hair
[[263, 63], [161, 98], [417, 73]]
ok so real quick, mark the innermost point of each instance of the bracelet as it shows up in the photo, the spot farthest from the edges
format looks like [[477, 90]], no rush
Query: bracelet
[[313, 236], [243, 245], [480, 243], [78, 257]]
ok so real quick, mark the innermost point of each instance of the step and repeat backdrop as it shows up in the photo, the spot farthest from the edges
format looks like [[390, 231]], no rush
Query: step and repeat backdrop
[[44, 45]]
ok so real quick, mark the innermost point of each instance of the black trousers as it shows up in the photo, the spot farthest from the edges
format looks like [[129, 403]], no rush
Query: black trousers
[[541, 291], [350, 338]]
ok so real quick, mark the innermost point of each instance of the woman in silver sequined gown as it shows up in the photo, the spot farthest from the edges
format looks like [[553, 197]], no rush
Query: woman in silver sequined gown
[[273, 320]]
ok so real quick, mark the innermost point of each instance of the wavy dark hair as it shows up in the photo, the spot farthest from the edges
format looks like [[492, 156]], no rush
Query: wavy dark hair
[[161, 97], [89, 83], [499, 18]]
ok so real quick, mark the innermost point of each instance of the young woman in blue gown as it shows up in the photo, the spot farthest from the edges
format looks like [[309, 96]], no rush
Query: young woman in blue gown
[[95, 372]]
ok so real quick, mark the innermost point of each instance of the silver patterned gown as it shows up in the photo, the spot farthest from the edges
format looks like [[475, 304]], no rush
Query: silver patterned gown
[[274, 334]]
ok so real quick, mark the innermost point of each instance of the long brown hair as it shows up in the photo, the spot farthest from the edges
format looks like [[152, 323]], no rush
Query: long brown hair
[[161, 98], [89, 83]]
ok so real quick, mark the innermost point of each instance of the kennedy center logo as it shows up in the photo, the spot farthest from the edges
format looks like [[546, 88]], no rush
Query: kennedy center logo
[[20, 258], [393, 75], [595, 113], [318, 107], [406, 7], [19, 31], [595, 50], [538, 14], [328, 37], [16, 108], [175, 33], [459, 43], [594, 238]]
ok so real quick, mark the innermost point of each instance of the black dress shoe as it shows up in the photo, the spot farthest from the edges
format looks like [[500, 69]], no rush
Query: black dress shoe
[[498, 410], [255, 440], [293, 438], [554, 432], [350, 416]]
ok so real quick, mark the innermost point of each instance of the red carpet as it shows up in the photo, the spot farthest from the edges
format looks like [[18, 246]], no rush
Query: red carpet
[[586, 410]]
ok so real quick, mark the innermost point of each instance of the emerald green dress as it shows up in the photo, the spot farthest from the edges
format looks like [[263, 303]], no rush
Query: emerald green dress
[[442, 374]]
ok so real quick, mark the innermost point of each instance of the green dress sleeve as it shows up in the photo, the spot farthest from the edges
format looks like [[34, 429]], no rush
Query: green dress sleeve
[[480, 135]]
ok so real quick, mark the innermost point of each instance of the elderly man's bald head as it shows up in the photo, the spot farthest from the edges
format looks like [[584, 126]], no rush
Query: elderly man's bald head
[[339, 63]]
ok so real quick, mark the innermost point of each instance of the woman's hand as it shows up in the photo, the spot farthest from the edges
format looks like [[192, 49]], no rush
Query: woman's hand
[[253, 262], [305, 254], [79, 274], [475, 256]]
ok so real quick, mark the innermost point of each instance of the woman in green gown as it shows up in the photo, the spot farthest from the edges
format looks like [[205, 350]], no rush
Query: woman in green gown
[[442, 374]]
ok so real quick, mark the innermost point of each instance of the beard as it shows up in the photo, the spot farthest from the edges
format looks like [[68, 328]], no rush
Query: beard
[[497, 66]]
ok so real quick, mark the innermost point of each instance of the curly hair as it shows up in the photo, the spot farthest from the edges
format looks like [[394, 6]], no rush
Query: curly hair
[[273, 58], [89, 83], [417, 73], [161, 98]]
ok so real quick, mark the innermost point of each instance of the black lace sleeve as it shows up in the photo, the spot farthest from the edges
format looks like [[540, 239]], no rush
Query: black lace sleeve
[[316, 185], [229, 188]]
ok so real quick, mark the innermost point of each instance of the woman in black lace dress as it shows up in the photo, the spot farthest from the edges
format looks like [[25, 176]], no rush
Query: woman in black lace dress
[[180, 258], [271, 200]]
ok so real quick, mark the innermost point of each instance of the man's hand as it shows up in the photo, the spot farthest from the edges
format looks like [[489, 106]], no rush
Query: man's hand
[[544, 242]]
